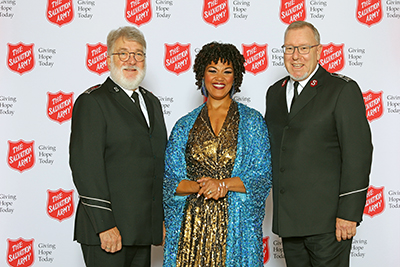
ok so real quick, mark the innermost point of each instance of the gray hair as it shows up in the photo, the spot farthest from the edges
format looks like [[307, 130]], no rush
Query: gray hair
[[129, 33], [301, 24]]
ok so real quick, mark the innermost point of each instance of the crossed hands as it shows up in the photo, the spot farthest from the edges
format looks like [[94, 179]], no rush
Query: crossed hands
[[212, 188]]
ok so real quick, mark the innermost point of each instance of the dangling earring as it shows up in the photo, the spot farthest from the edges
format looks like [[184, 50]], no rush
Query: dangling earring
[[203, 89], [233, 91]]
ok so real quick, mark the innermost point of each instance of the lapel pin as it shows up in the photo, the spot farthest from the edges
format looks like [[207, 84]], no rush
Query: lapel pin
[[313, 83]]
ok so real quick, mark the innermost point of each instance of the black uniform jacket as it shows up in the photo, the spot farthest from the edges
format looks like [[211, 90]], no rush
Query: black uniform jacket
[[117, 165], [321, 154]]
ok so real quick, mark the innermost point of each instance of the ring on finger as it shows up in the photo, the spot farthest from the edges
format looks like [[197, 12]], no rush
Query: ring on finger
[[209, 192]]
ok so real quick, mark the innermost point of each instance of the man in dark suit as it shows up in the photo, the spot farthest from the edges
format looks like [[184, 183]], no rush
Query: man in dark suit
[[321, 155], [117, 160]]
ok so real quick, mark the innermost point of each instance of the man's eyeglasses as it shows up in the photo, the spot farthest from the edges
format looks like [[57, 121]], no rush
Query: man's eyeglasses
[[302, 49], [124, 56]]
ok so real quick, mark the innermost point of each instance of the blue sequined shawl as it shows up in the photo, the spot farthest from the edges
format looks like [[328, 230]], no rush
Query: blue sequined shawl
[[246, 210]]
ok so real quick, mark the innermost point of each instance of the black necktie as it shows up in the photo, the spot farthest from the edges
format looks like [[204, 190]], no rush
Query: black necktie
[[135, 97], [295, 94]]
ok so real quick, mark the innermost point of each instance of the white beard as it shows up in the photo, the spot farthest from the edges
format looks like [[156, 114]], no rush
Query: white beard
[[299, 78], [129, 84]]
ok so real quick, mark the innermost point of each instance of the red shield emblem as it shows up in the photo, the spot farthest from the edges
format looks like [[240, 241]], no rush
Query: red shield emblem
[[177, 58], [20, 57], [292, 10], [215, 12], [60, 204], [369, 12], [313, 83], [373, 105], [60, 12], [332, 57], [59, 106], [266, 249], [20, 252], [20, 155], [96, 58], [256, 58], [375, 203], [138, 12]]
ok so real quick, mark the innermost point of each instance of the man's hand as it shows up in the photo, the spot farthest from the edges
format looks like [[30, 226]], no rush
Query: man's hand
[[111, 240], [345, 229]]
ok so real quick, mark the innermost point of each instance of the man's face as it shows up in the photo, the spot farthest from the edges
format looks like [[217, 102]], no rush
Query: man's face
[[128, 74], [300, 66]]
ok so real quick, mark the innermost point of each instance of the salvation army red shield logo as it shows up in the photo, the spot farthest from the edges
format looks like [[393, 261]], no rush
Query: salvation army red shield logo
[[60, 204], [59, 106], [332, 57], [313, 83], [60, 12], [20, 155], [256, 58], [215, 12], [292, 10], [96, 58], [20, 252], [375, 203], [369, 12], [20, 57], [373, 105], [266, 249], [177, 58], [138, 12]]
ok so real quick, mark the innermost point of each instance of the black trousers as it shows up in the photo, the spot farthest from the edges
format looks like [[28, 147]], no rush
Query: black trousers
[[128, 256], [321, 250]]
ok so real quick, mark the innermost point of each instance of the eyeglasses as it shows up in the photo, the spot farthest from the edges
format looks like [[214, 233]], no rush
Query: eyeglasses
[[302, 49], [124, 56]]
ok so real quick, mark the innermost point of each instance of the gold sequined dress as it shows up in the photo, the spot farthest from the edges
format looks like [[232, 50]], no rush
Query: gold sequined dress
[[204, 226]]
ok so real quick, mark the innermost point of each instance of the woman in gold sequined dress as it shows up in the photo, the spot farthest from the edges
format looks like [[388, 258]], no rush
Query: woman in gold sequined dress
[[218, 171]]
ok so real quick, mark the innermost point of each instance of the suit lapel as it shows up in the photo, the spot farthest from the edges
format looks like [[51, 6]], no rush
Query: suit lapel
[[302, 100], [124, 100], [120, 96], [308, 93], [282, 103]]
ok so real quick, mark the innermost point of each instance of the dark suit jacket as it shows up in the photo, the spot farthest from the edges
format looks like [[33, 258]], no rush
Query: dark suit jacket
[[321, 155], [117, 165]]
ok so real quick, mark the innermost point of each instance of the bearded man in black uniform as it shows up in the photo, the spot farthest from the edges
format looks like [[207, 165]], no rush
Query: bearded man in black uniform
[[321, 155], [118, 137]]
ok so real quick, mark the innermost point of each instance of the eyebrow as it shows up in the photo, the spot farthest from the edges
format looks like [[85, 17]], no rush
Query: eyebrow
[[124, 49], [298, 45], [216, 67]]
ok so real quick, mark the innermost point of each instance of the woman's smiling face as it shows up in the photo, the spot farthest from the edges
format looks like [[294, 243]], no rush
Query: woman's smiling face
[[218, 79]]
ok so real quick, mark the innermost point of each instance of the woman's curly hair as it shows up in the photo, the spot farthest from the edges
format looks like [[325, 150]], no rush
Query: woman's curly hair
[[214, 52]]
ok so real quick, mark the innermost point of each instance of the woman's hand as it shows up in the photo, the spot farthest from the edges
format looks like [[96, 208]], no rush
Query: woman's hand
[[186, 187], [212, 188]]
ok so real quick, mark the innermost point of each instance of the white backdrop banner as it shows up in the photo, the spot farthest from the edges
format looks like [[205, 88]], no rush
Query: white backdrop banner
[[52, 50]]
